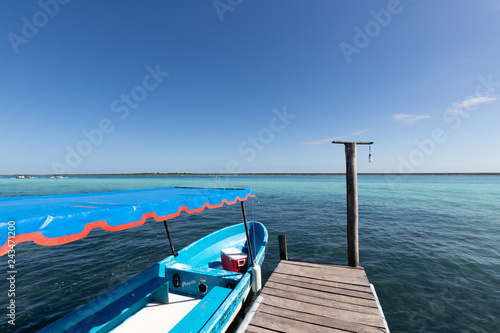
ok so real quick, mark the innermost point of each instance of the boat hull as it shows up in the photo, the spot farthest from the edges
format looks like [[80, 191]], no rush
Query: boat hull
[[196, 272]]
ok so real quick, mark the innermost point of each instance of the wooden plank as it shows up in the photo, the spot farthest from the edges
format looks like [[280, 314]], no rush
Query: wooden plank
[[323, 265], [328, 289], [312, 280], [289, 325], [308, 299], [360, 318], [324, 287], [340, 275], [332, 269], [319, 320], [298, 271], [257, 329], [323, 294], [357, 142]]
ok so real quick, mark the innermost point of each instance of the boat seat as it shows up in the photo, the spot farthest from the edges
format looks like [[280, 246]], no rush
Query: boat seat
[[115, 307], [203, 311], [134, 301]]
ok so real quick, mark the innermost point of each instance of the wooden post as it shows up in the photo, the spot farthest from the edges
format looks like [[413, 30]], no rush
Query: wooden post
[[283, 248], [352, 201], [352, 205]]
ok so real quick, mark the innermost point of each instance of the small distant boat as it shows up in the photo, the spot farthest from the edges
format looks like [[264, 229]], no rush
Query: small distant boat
[[24, 176], [201, 288], [57, 176], [20, 176]]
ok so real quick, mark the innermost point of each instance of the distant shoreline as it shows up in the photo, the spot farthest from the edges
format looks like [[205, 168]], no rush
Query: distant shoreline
[[268, 174]]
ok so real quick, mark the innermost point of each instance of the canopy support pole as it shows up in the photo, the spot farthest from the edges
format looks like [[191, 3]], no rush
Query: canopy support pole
[[170, 239], [250, 252], [256, 272]]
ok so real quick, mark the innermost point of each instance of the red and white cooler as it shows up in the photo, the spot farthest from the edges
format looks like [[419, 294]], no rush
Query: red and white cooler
[[233, 260]]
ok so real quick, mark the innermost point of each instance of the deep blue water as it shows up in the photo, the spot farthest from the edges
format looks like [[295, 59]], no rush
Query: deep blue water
[[429, 244]]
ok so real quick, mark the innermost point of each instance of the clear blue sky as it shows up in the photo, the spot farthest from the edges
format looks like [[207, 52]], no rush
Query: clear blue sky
[[248, 86]]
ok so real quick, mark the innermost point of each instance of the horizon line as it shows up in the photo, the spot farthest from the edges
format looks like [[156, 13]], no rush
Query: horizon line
[[265, 174]]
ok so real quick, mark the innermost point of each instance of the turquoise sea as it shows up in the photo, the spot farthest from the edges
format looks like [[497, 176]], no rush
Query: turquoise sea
[[429, 244]]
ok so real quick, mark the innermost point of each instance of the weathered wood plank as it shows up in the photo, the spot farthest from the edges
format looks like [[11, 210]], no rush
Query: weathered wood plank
[[323, 294], [308, 299], [324, 287], [357, 142], [319, 320], [360, 318], [333, 269], [310, 279], [337, 275], [256, 329], [333, 290], [324, 265], [289, 325]]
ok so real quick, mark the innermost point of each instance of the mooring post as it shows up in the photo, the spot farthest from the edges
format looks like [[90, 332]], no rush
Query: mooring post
[[352, 201], [283, 248]]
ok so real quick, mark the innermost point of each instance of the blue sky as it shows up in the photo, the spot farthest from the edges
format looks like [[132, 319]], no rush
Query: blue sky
[[248, 86]]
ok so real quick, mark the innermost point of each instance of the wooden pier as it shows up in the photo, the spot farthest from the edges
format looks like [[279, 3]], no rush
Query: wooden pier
[[308, 297]]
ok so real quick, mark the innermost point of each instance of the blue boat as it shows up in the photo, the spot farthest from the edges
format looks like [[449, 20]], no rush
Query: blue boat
[[201, 288]]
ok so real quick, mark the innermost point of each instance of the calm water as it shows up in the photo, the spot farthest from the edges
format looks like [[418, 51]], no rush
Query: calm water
[[429, 244]]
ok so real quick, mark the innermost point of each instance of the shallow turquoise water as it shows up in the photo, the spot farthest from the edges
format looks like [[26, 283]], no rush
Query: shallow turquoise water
[[429, 244]]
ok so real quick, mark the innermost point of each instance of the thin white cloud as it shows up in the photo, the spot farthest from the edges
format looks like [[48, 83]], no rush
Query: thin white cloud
[[359, 132], [407, 119], [462, 107], [454, 111]]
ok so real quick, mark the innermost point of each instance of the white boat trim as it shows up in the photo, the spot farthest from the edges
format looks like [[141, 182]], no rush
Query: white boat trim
[[253, 309]]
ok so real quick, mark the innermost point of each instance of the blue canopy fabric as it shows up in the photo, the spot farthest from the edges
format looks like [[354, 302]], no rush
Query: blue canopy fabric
[[59, 219]]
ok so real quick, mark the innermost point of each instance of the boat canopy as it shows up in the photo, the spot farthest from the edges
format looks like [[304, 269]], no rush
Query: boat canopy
[[60, 219]]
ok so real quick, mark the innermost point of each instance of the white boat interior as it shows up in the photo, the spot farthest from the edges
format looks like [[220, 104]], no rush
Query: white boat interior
[[159, 317]]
